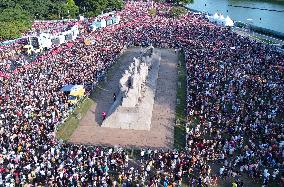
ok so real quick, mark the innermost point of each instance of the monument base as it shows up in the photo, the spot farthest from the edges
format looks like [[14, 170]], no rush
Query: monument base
[[138, 117]]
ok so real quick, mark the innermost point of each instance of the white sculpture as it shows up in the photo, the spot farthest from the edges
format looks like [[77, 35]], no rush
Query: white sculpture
[[133, 81]]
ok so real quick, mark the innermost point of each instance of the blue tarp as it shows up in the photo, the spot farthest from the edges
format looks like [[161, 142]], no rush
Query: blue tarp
[[97, 24], [114, 19], [7, 42], [67, 88], [109, 22]]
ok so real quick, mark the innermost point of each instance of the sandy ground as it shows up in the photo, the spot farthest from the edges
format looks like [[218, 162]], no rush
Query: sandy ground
[[161, 134]]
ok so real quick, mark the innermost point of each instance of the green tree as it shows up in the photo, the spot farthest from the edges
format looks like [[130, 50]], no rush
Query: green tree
[[56, 10], [177, 11], [13, 22], [88, 7], [96, 7], [152, 12], [38, 9], [115, 4], [7, 4], [71, 9]]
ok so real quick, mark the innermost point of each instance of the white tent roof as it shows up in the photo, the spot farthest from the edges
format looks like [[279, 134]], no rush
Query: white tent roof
[[229, 22], [220, 19], [215, 16]]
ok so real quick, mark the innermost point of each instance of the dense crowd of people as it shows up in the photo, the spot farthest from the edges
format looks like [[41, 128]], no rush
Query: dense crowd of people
[[52, 27], [12, 52], [234, 105]]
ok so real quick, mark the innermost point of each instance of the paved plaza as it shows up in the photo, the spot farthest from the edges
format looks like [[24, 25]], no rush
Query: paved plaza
[[161, 134]]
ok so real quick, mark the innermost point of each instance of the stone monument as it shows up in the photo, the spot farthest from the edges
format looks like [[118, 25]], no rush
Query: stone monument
[[134, 105], [133, 82]]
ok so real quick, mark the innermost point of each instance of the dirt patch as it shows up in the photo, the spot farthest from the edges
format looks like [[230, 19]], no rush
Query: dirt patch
[[161, 134]]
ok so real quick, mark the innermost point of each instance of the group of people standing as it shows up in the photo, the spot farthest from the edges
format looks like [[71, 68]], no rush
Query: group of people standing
[[234, 106]]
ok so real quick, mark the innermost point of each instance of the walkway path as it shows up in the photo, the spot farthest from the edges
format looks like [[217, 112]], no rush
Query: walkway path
[[255, 35]]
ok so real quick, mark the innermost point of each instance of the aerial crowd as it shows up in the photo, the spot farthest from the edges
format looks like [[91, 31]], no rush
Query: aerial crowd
[[235, 105]]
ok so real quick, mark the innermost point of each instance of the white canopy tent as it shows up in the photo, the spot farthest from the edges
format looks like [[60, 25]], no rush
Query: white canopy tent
[[229, 22], [221, 20]]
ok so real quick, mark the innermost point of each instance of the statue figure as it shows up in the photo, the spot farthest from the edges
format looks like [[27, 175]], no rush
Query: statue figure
[[123, 83], [133, 81]]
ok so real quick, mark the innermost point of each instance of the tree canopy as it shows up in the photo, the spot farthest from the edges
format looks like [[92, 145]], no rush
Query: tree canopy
[[177, 11], [13, 21], [152, 12], [96, 7]]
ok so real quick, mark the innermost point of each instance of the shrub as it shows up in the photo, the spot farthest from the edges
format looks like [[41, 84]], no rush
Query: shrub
[[177, 11], [152, 12]]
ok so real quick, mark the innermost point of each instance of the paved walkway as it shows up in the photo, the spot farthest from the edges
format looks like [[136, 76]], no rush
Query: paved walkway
[[161, 134], [254, 35]]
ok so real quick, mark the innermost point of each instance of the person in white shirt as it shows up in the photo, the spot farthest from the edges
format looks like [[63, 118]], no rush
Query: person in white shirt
[[221, 170]]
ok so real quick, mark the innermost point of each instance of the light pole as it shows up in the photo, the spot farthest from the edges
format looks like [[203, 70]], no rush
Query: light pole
[[36, 16], [249, 24]]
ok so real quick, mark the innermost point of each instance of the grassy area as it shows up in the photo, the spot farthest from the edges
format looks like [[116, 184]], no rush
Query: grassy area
[[181, 115], [65, 131], [179, 130]]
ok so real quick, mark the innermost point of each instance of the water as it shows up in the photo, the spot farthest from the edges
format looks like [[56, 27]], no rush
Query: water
[[273, 20]]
